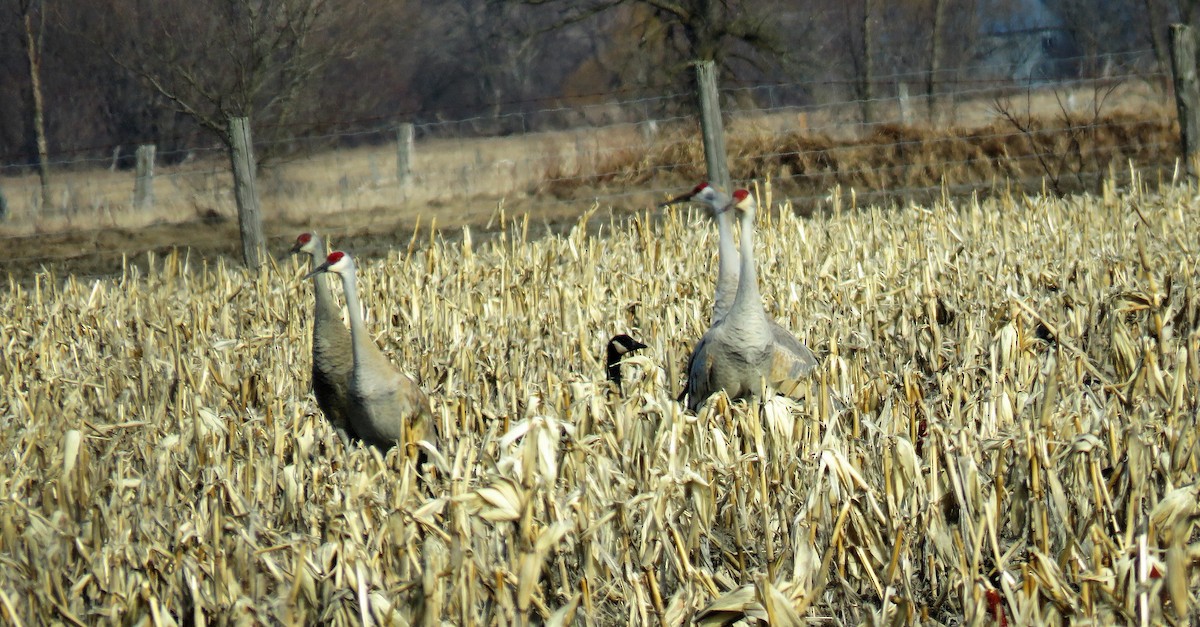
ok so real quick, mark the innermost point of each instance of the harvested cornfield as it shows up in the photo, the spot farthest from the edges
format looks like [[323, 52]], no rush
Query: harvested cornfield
[[1003, 430]]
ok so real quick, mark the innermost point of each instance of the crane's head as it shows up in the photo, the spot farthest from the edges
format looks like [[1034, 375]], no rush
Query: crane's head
[[307, 243], [743, 202], [337, 262], [702, 193]]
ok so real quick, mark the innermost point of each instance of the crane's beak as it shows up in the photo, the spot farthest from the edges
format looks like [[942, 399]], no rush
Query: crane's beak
[[319, 269], [295, 248], [676, 200]]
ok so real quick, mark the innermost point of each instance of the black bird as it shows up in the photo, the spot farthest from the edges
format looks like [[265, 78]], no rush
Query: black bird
[[618, 347]]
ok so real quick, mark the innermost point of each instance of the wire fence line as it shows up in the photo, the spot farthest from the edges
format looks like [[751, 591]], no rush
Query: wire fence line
[[629, 152]]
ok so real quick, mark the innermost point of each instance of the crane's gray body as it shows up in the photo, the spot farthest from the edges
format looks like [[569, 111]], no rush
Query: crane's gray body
[[332, 358], [744, 349], [791, 359], [385, 402], [385, 406], [731, 356]]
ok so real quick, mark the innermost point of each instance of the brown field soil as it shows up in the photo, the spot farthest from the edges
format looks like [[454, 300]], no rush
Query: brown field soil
[[368, 233], [891, 164]]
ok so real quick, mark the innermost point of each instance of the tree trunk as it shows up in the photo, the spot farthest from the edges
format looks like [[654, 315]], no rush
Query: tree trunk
[[241, 156], [935, 58], [1154, 24], [868, 75], [33, 49]]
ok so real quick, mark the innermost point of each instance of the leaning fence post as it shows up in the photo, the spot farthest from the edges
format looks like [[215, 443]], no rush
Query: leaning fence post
[[143, 188], [711, 127], [1187, 92], [404, 155]]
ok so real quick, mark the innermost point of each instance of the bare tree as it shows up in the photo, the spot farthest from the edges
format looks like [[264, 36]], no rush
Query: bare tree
[[31, 15], [1188, 11], [1156, 31], [936, 49], [257, 62], [491, 64], [867, 74], [258, 59], [724, 31]]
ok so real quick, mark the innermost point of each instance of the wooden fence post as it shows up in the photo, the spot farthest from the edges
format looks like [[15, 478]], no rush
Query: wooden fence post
[[711, 125], [1187, 92], [143, 187], [241, 156], [404, 155]]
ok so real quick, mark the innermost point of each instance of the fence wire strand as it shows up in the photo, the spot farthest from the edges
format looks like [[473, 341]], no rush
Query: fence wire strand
[[622, 152]]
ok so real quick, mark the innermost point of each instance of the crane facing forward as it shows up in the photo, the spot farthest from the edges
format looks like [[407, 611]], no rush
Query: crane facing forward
[[746, 348], [332, 360], [386, 406]]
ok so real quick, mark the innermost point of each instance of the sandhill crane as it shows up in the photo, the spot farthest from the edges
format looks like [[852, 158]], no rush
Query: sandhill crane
[[618, 347], [386, 406], [794, 361], [745, 350], [332, 360], [727, 261]]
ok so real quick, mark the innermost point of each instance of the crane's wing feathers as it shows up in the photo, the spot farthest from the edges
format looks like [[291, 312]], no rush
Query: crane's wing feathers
[[791, 363], [413, 403], [391, 405], [700, 384]]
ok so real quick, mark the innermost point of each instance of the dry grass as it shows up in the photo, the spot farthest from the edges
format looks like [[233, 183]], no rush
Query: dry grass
[[1063, 156], [1021, 439], [806, 152], [469, 175]]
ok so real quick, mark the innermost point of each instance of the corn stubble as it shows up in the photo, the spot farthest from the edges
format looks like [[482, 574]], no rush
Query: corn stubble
[[1002, 430]]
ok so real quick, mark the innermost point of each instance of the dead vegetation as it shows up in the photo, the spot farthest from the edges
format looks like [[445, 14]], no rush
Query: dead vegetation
[[1071, 153], [1020, 443], [1044, 141]]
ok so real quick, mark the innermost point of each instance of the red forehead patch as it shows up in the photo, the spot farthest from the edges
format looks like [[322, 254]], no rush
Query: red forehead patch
[[699, 188], [304, 238], [740, 195], [335, 256]]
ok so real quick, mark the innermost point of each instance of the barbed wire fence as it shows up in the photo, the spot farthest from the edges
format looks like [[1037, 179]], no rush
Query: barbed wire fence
[[976, 131]]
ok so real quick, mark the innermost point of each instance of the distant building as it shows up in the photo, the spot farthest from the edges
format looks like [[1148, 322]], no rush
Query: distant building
[[1025, 41]]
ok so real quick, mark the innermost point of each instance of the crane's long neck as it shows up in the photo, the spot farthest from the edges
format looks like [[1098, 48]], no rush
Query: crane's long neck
[[325, 307], [747, 306], [358, 330], [727, 267]]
